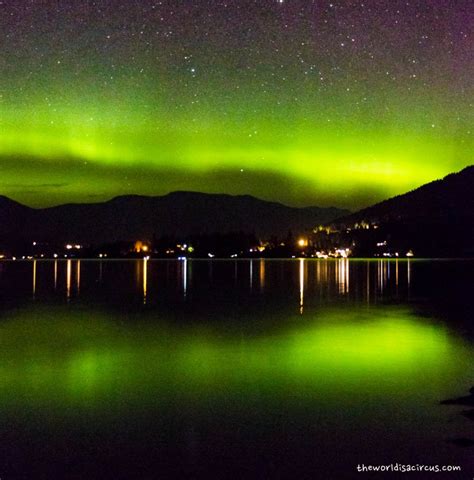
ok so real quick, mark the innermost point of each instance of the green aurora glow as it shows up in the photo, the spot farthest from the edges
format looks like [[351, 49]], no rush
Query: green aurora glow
[[86, 122], [73, 149], [94, 356]]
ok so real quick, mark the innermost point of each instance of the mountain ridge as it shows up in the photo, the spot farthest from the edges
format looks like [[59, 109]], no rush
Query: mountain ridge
[[131, 217], [436, 219], [444, 193]]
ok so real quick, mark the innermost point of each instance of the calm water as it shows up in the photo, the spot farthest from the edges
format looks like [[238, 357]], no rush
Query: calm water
[[233, 369]]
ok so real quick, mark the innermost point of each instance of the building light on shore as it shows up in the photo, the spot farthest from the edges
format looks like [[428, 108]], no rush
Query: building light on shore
[[302, 242], [70, 246], [343, 252], [140, 247]]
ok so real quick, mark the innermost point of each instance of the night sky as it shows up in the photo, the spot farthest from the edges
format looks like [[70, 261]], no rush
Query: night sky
[[301, 101]]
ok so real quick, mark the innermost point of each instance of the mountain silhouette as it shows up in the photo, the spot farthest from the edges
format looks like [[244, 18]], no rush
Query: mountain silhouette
[[436, 219], [133, 217]]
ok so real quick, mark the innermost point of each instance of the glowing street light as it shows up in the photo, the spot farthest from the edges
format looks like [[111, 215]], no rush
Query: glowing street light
[[302, 242]]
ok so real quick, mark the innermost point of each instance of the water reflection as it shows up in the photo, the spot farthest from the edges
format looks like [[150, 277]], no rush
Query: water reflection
[[302, 278], [299, 351], [68, 278], [396, 273], [316, 278], [184, 267], [381, 275], [145, 278], [342, 275], [34, 278], [55, 268], [262, 274], [251, 274], [78, 277], [92, 358], [409, 272]]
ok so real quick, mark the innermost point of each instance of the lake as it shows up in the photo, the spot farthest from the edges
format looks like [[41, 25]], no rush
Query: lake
[[234, 369]]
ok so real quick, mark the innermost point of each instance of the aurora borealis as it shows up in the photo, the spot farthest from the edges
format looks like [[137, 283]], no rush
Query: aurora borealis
[[306, 102]]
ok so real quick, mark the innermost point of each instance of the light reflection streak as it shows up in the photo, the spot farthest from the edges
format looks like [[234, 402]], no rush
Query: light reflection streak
[[68, 278], [185, 276], [55, 275], [330, 276], [368, 283], [409, 273], [78, 277], [342, 275], [302, 265], [251, 274], [262, 273], [382, 275], [396, 272], [145, 279], [34, 278]]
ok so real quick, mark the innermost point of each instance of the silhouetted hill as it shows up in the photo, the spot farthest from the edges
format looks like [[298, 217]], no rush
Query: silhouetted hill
[[453, 195], [435, 219], [139, 217], [14, 218]]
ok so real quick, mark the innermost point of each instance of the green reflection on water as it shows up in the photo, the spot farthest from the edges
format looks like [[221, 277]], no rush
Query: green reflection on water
[[60, 358]]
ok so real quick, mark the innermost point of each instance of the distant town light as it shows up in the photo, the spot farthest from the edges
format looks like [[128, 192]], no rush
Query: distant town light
[[302, 242], [140, 246]]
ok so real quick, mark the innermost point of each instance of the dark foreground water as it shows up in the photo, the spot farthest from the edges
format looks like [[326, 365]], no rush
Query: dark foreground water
[[233, 369]]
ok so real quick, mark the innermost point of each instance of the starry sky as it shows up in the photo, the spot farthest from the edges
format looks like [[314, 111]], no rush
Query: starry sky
[[307, 102]]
